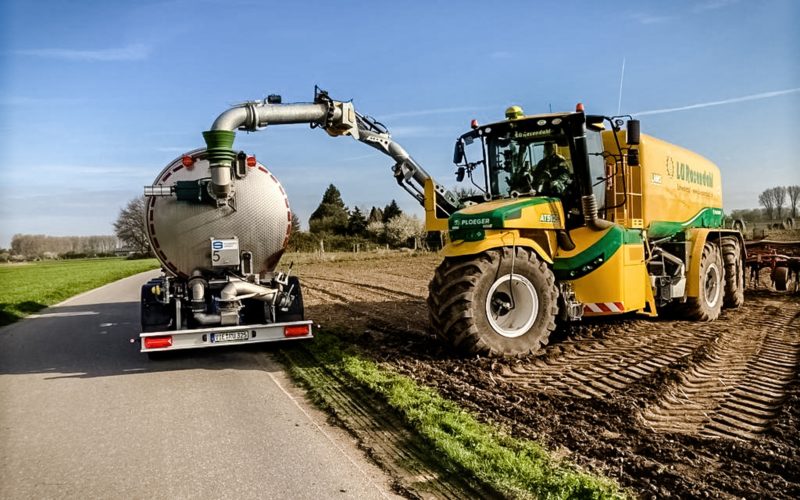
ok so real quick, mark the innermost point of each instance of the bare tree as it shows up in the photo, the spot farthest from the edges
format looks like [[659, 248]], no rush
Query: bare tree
[[794, 197], [766, 201], [130, 228], [779, 197]]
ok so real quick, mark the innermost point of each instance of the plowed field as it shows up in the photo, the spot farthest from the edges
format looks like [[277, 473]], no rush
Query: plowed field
[[667, 407]]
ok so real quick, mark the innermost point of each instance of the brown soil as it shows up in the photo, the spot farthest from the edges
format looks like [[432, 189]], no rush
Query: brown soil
[[668, 408]]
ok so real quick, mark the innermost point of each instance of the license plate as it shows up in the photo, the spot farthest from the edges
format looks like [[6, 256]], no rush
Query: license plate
[[229, 336]]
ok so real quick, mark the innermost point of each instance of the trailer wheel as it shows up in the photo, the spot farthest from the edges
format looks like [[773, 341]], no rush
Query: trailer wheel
[[480, 307], [734, 272], [780, 276], [708, 304]]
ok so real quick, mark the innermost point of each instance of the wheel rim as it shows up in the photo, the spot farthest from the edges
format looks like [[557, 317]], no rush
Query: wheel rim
[[507, 318], [712, 285]]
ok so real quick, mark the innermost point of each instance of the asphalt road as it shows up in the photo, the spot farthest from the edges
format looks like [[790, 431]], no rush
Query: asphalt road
[[84, 415]]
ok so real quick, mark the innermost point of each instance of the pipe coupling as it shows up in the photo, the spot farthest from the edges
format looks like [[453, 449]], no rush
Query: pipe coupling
[[219, 145]]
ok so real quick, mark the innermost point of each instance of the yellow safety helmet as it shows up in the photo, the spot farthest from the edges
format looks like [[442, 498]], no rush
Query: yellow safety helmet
[[514, 112]]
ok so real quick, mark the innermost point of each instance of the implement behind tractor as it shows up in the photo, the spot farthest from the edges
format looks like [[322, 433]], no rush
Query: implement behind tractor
[[569, 216]]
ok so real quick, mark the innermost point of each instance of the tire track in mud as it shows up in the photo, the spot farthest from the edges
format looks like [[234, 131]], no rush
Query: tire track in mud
[[595, 367], [728, 378], [388, 292], [383, 435], [737, 388], [372, 304]]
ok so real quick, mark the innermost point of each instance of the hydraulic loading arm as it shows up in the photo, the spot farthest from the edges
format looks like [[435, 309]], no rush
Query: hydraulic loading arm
[[337, 118]]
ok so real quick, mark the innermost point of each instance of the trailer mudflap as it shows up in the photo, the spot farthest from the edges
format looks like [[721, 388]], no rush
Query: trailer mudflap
[[171, 340]]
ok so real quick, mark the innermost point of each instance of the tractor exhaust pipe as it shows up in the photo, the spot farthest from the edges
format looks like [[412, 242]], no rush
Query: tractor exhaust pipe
[[584, 178], [590, 217]]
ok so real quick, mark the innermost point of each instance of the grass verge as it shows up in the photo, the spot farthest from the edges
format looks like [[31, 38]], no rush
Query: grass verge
[[513, 467], [28, 288]]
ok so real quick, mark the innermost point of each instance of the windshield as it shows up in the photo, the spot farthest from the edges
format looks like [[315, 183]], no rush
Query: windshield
[[528, 165]]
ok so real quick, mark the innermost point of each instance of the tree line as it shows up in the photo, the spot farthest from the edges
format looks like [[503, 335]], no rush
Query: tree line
[[332, 226], [41, 246], [774, 199]]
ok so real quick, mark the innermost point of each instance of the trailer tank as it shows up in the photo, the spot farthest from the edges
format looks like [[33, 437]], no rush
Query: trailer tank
[[181, 230]]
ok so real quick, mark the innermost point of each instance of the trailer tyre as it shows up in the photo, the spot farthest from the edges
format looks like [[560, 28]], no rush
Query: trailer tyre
[[734, 272], [478, 306], [708, 304]]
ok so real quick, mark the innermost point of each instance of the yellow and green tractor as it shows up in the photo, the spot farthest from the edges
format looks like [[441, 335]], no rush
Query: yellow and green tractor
[[627, 224]]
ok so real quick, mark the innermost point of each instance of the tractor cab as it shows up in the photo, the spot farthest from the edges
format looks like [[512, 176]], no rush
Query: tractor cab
[[527, 156]]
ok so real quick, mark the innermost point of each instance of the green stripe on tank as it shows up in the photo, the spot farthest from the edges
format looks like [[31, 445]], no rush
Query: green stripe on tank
[[708, 218]]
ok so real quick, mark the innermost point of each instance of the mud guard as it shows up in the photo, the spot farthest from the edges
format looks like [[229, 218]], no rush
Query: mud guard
[[499, 239], [698, 237]]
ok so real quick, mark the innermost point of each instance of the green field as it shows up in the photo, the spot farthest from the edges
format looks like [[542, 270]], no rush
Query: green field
[[30, 287]]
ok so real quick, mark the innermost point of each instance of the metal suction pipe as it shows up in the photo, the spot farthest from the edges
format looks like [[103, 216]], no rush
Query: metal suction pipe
[[237, 290], [251, 116]]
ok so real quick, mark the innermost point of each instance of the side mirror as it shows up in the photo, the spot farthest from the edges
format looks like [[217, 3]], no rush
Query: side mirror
[[595, 122], [633, 132], [458, 153], [460, 174]]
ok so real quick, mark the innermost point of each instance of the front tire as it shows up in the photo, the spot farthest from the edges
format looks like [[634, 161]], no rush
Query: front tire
[[708, 304], [479, 306]]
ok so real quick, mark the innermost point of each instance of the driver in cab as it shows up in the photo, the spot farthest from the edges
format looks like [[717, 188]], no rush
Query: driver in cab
[[551, 177]]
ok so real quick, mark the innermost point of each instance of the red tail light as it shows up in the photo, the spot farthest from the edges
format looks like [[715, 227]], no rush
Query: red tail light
[[187, 161], [296, 331], [251, 161], [158, 342]]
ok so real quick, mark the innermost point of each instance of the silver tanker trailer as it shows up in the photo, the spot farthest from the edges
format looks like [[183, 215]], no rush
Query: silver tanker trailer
[[218, 221]]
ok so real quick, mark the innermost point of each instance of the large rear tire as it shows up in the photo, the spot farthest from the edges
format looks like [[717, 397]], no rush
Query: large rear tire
[[479, 306], [708, 304], [734, 272]]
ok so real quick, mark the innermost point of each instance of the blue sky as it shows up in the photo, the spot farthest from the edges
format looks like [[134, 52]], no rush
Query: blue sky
[[97, 96]]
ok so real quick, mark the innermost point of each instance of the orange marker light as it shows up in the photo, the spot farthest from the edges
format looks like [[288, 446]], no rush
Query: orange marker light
[[251, 161], [579, 107], [187, 161]]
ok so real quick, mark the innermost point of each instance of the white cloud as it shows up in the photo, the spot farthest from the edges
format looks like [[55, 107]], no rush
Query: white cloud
[[501, 54], [643, 18], [713, 5], [134, 52], [38, 101], [752, 97], [435, 111]]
